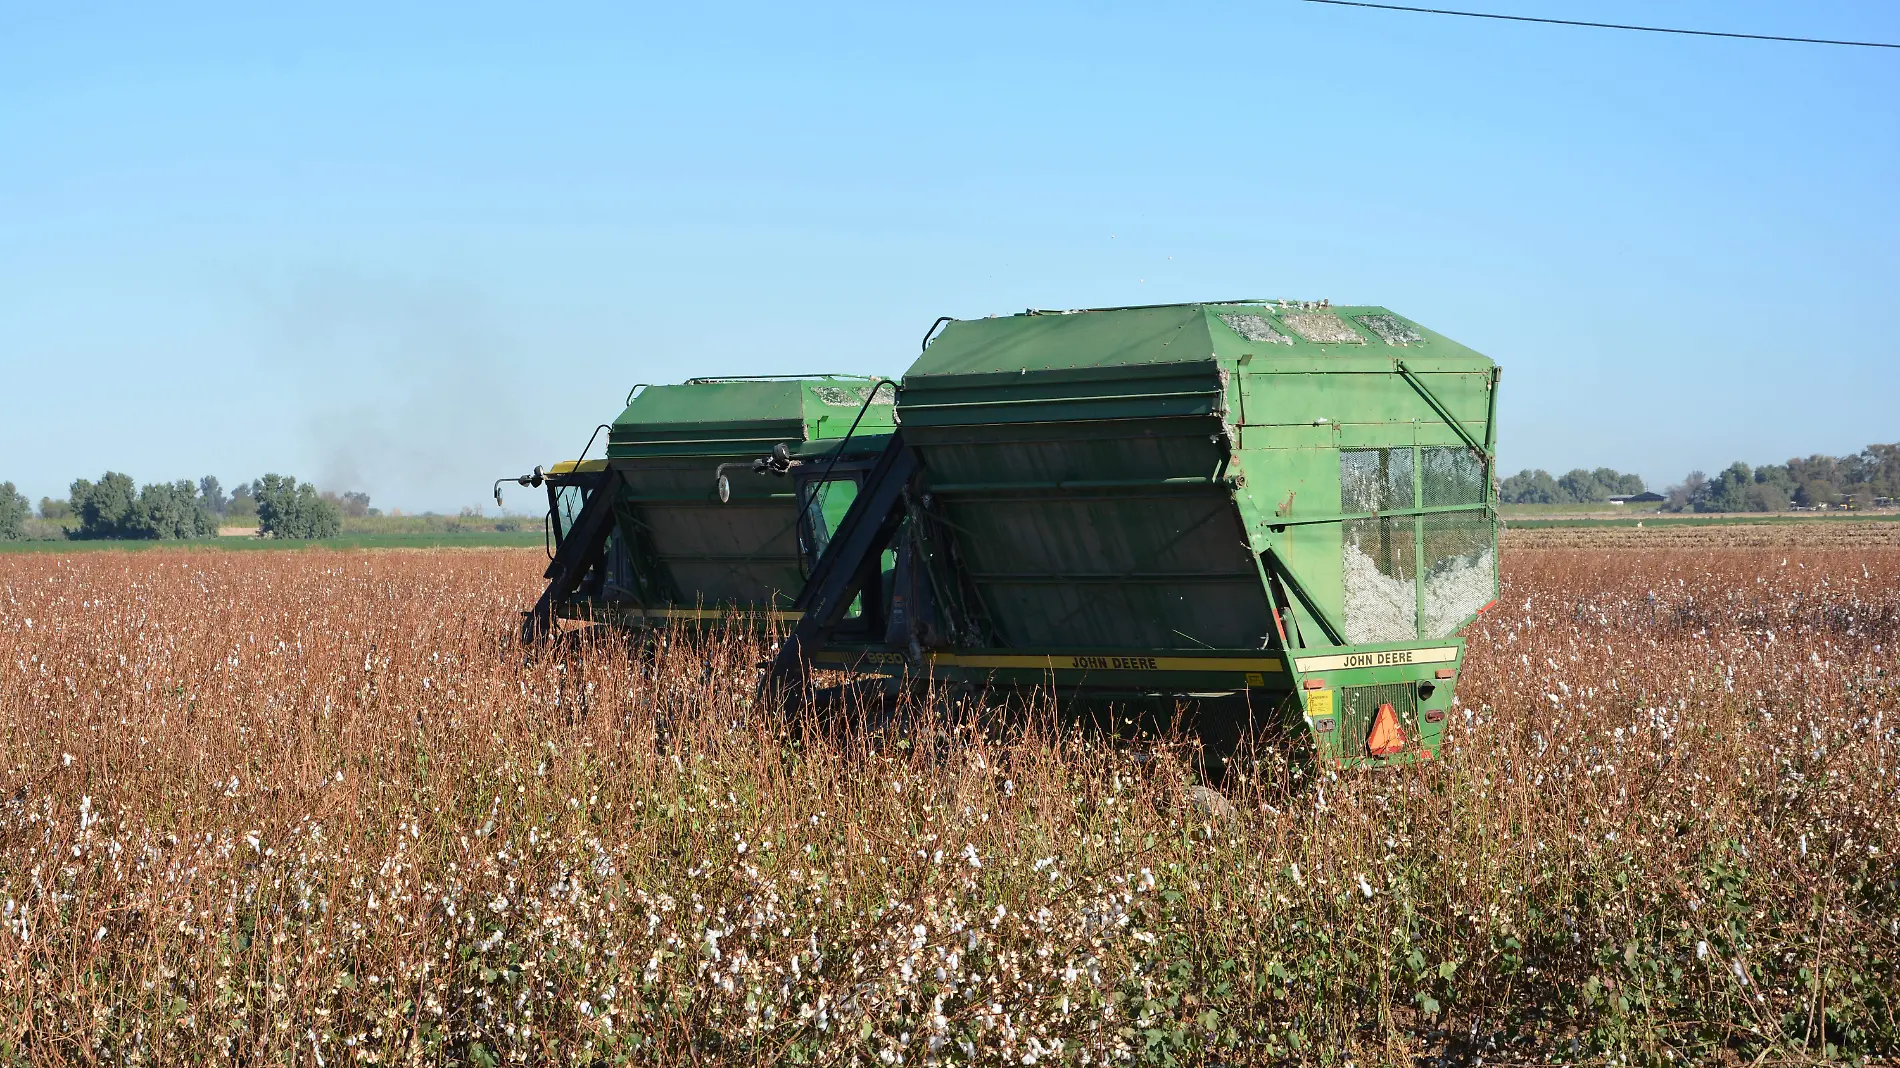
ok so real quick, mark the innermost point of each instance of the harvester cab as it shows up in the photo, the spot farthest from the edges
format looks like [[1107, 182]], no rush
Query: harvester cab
[[1287, 504]]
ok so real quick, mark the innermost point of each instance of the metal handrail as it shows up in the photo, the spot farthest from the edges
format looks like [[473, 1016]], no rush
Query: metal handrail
[[865, 407], [941, 319]]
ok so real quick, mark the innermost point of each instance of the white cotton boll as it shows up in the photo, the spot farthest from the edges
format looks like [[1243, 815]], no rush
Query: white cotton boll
[[1365, 887], [1702, 951]]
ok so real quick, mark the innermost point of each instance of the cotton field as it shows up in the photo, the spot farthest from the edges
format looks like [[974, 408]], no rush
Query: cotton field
[[316, 808]]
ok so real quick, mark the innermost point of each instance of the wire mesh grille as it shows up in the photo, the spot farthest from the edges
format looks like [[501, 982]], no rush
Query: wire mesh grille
[[1256, 328], [1360, 704], [1461, 569], [1322, 328], [1379, 572], [1375, 480], [1391, 329], [1451, 475]]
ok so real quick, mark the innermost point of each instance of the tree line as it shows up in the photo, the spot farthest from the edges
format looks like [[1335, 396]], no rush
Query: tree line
[[1859, 480], [1577, 487], [1816, 482], [112, 507]]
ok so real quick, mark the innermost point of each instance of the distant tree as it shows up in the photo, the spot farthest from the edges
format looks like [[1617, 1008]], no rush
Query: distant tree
[[1815, 493], [1880, 468], [1728, 491], [1825, 469], [1530, 487], [14, 508], [103, 507], [354, 505], [242, 506], [1582, 486], [51, 508], [1740, 488], [1765, 497], [109, 509], [289, 509], [1576, 487], [213, 494], [1683, 495], [170, 510]]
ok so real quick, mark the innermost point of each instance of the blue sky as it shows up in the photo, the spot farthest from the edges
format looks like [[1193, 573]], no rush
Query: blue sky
[[409, 248]]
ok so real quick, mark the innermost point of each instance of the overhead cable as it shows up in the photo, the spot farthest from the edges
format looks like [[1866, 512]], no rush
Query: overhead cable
[[1606, 25]]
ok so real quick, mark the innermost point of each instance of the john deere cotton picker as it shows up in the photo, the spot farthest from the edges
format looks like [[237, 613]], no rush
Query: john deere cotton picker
[[1286, 503]]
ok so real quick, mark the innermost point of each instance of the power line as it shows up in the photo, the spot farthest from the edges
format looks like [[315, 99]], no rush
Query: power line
[[1605, 25]]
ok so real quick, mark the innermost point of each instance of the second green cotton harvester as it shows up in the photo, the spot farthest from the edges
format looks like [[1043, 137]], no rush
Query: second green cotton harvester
[[1289, 502]]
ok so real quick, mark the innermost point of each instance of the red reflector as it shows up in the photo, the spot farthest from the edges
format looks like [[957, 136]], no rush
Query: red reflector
[[1443, 673], [1315, 684], [1436, 715], [1387, 736], [1488, 605]]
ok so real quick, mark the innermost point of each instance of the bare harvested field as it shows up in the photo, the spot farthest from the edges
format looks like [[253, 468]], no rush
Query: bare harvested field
[[1808, 534], [312, 808]]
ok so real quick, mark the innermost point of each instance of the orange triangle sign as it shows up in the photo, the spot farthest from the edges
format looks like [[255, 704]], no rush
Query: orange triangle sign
[[1387, 736]]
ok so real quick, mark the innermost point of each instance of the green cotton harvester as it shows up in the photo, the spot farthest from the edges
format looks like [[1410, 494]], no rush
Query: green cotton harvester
[[1284, 508], [685, 518]]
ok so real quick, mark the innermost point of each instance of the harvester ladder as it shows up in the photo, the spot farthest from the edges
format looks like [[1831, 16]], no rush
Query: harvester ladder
[[849, 559], [577, 552]]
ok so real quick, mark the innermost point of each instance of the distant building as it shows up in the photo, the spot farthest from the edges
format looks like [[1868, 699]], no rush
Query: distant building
[[1645, 497]]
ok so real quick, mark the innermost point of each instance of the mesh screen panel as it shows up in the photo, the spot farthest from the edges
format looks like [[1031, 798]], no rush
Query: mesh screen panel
[[1461, 569], [849, 396], [1391, 329], [1379, 573], [1256, 328], [1374, 480], [1322, 328], [1451, 475]]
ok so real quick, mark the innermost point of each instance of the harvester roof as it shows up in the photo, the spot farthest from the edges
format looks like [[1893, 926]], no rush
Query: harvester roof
[[725, 415], [1174, 333]]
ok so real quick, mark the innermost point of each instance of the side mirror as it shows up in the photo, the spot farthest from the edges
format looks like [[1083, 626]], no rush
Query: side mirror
[[725, 490]]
